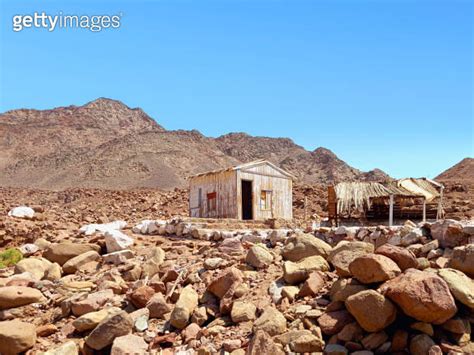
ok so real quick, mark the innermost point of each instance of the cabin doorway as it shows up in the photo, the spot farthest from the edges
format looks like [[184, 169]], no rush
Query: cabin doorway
[[246, 190]]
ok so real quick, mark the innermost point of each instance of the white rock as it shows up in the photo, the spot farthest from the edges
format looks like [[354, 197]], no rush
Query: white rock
[[115, 240], [275, 289], [28, 249], [148, 227], [90, 229], [22, 212]]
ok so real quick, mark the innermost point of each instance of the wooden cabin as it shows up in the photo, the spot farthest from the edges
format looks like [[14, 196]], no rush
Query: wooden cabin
[[254, 191]]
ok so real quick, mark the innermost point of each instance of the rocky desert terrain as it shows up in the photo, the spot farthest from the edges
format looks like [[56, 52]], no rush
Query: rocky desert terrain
[[98, 256]]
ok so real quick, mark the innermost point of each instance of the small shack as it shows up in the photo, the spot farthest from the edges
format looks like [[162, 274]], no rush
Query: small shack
[[402, 199], [253, 191]]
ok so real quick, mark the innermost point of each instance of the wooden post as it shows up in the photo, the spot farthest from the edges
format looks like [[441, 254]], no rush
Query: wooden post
[[424, 209], [390, 212]]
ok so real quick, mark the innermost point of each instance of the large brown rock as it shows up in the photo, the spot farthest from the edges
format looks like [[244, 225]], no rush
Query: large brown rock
[[271, 321], [460, 285], [157, 306], [16, 337], [259, 257], [404, 258], [62, 252], [224, 281], [16, 296], [372, 310], [262, 343], [110, 328], [421, 295], [345, 252], [463, 259], [332, 322], [313, 284], [343, 288], [187, 302], [294, 273], [373, 268], [449, 233], [303, 245]]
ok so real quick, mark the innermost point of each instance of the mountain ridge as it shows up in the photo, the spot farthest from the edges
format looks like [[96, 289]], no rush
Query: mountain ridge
[[106, 144]]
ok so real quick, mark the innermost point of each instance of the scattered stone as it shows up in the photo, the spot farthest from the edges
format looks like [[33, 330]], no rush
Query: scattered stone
[[22, 212], [294, 273], [68, 348], [421, 344], [371, 310], [153, 262], [343, 288], [305, 245], [118, 257], [271, 322], [187, 302], [460, 285], [90, 320], [93, 302], [129, 344], [423, 327], [345, 252], [213, 263], [16, 336], [449, 233], [336, 349], [243, 311], [46, 330], [259, 257], [225, 280], [463, 259], [307, 343], [313, 285], [262, 343], [110, 328], [141, 296], [157, 306], [333, 322], [374, 340], [421, 295], [404, 258], [16, 296], [373, 268], [62, 252], [75, 264]]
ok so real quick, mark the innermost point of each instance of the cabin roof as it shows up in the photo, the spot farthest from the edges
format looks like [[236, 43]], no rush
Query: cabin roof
[[245, 166]]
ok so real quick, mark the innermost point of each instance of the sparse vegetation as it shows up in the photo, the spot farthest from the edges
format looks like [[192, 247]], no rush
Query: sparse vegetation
[[10, 257]]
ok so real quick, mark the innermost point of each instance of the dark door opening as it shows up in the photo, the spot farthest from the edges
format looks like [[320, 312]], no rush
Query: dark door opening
[[247, 210]]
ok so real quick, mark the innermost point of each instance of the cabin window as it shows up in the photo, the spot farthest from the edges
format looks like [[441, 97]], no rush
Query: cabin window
[[266, 200], [211, 201]]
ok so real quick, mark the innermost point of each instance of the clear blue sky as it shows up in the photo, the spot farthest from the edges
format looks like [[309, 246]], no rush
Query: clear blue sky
[[385, 84]]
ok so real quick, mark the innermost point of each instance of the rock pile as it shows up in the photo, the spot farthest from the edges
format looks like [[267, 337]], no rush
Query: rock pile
[[177, 287]]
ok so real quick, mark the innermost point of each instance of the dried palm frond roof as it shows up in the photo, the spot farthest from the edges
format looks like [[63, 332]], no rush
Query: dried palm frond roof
[[358, 195], [430, 189]]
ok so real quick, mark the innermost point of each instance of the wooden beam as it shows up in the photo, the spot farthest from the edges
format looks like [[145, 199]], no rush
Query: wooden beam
[[424, 210]]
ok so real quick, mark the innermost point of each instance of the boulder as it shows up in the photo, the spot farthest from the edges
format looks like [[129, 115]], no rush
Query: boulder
[[157, 306], [110, 328], [225, 280], [16, 296], [449, 233], [463, 259], [371, 310], [304, 245], [187, 302], [90, 320], [154, 260], [421, 295], [333, 322], [460, 285], [294, 273], [371, 268], [116, 240], [259, 257], [243, 311], [421, 344], [262, 343], [16, 336], [271, 322], [68, 348], [313, 285], [345, 252], [343, 288], [75, 264], [62, 252], [404, 258], [141, 296], [38, 267], [129, 344]]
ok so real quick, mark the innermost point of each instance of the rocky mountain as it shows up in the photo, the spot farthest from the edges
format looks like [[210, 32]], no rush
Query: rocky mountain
[[106, 144], [464, 170]]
